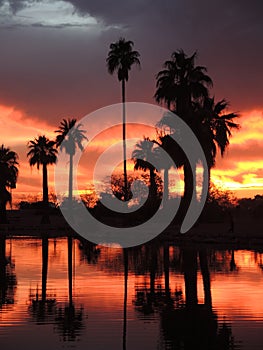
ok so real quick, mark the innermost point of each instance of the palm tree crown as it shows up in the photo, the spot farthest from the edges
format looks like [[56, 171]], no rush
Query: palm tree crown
[[41, 151], [8, 178], [70, 136], [216, 127], [181, 82], [121, 57], [8, 167], [145, 155]]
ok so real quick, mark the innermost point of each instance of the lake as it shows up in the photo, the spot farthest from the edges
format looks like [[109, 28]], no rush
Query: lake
[[60, 293]]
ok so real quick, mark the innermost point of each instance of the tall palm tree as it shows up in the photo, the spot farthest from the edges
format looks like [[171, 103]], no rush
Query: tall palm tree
[[121, 58], [167, 127], [215, 128], [8, 178], [42, 151], [70, 136], [181, 83], [178, 85], [145, 156]]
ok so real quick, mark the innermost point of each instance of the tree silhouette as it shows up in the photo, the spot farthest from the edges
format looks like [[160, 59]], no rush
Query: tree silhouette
[[42, 151], [214, 128], [43, 308], [70, 136], [178, 85], [181, 83], [69, 320], [8, 178], [121, 58], [145, 156], [8, 279], [173, 154]]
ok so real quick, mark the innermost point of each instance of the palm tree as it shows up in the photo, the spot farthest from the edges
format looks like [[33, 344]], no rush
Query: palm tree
[[167, 127], [8, 178], [178, 85], [215, 128], [121, 58], [181, 83], [42, 152], [145, 156], [70, 136]]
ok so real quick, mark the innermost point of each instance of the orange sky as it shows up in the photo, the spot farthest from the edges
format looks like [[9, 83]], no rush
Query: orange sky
[[239, 171]]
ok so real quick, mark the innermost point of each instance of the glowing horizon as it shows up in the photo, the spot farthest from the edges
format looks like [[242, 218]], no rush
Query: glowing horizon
[[244, 177]]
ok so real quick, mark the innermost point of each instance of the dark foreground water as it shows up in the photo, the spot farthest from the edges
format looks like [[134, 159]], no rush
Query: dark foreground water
[[58, 293]]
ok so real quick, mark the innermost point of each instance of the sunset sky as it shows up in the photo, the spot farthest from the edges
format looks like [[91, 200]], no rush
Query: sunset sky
[[52, 66]]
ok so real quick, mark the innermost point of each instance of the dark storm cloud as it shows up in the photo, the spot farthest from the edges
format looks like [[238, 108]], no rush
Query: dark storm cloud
[[51, 71], [227, 34]]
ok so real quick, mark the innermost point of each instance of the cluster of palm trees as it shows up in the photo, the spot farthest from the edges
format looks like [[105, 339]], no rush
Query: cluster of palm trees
[[8, 178], [42, 153], [182, 86]]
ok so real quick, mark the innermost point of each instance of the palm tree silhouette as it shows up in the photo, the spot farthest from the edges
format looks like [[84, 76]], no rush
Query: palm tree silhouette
[[179, 85], [171, 149], [145, 156], [69, 319], [42, 152], [70, 136], [8, 178], [181, 82], [215, 128], [121, 58]]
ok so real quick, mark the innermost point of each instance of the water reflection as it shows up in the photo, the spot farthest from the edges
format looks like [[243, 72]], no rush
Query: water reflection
[[67, 319], [152, 296], [7, 275]]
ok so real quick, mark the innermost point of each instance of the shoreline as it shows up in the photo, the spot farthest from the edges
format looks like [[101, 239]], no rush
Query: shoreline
[[248, 232]]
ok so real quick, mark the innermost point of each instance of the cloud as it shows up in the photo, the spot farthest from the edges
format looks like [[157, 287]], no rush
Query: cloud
[[53, 64], [53, 60], [45, 13]]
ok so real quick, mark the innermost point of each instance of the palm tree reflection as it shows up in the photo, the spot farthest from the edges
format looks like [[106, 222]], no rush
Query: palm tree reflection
[[195, 325], [7, 276], [69, 319], [42, 307], [185, 322], [126, 269]]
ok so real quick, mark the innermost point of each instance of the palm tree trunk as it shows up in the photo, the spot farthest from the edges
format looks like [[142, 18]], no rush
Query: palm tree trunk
[[166, 269], [3, 216], [124, 140], [70, 270], [166, 186], [2, 268], [153, 186], [189, 183], [204, 194], [45, 186], [125, 256], [206, 277], [45, 217], [3, 202], [44, 267], [70, 183], [190, 276]]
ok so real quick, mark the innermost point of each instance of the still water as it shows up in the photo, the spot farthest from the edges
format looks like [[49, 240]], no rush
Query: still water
[[61, 293]]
